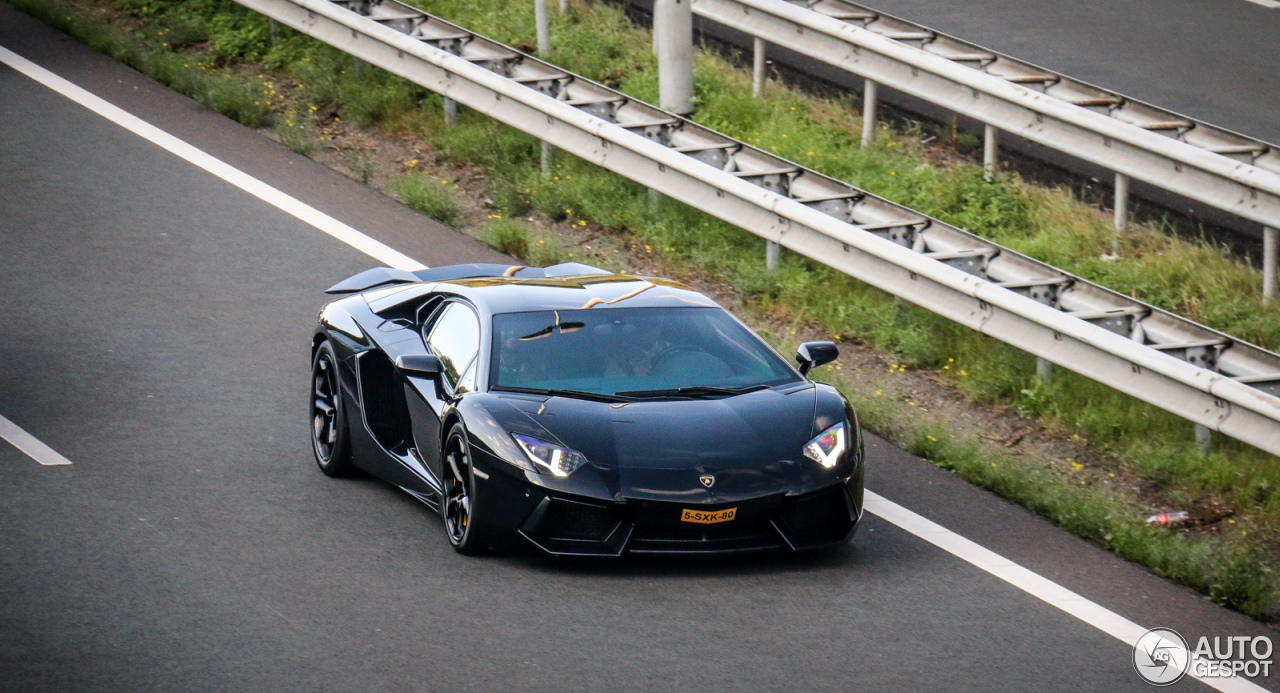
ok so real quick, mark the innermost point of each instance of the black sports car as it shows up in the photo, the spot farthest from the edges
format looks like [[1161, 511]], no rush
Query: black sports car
[[582, 413]]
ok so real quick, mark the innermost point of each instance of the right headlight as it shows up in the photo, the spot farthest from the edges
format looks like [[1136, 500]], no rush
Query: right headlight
[[827, 447], [557, 459]]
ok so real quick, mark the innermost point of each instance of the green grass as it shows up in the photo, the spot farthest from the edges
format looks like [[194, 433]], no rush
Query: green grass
[[232, 50], [432, 196], [297, 131], [1232, 570]]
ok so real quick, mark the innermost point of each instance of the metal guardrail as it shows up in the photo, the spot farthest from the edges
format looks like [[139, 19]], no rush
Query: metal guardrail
[[1182, 155], [1190, 370]]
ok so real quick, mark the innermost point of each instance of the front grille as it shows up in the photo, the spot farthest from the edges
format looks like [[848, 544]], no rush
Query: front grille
[[577, 521]]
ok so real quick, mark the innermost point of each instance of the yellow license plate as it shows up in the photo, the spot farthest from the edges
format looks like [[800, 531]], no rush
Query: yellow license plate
[[708, 517]]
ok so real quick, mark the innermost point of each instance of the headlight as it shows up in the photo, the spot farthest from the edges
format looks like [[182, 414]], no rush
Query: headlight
[[827, 448], [560, 461]]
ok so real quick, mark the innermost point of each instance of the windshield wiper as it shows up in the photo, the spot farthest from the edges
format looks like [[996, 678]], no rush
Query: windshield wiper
[[694, 391], [576, 394]]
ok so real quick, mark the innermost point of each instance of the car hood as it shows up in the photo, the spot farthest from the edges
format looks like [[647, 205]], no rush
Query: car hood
[[749, 444]]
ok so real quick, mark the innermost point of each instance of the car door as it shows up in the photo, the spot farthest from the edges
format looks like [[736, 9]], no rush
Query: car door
[[453, 335]]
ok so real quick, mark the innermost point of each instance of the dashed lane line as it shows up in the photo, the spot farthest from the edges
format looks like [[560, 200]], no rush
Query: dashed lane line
[[31, 445]]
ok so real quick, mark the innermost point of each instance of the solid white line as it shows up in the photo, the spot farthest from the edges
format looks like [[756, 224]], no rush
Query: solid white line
[[236, 177], [1046, 590], [1039, 587], [1269, 4], [29, 444]]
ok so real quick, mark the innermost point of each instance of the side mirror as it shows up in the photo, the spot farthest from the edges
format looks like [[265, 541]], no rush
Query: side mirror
[[813, 354], [419, 365]]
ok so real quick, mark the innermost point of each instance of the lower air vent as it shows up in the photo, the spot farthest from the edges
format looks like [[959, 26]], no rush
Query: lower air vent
[[577, 521], [822, 517]]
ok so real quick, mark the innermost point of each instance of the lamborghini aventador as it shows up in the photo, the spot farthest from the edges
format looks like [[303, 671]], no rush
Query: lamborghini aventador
[[578, 412]]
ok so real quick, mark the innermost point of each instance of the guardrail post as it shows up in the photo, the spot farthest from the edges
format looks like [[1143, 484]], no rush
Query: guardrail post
[[868, 112], [1270, 248], [675, 56], [657, 21], [989, 144], [275, 30], [564, 6], [1204, 439], [544, 49], [544, 30], [1122, 210], [450, 112], [757, 67], [771, 252], [1044, 370]]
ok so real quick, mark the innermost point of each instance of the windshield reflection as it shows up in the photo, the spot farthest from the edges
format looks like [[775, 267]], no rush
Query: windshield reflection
[[610, 350]]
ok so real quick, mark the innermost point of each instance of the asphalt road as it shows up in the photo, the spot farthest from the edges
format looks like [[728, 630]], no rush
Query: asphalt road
[[1215, 60], [155, 332]]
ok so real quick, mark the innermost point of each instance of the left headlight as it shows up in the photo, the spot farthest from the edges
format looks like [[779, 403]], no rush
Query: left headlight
[[828, 446], [557, 459]]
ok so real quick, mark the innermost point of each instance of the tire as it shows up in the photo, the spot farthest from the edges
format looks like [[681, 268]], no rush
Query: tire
[[459, 506], [330, 437]]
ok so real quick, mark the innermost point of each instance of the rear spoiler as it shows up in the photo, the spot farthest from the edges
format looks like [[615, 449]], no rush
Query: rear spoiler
[[379, 276]]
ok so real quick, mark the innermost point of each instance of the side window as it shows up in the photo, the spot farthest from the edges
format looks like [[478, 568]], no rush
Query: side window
[[468, 382], [455, 339]]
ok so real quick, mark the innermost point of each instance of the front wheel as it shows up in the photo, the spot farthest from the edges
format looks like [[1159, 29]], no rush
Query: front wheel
[[459, 495], [330, 440]]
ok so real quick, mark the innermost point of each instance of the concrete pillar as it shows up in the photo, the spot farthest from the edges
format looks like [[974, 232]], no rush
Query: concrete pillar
[[771, 252], [544, 30], [450, 112], [1270, 247], [1044, 370], [675, 56], [1204, 439], [868, 112], [547, 151], [990, 137], [757, 64]]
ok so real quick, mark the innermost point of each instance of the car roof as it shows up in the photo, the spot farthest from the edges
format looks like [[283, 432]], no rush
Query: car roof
[[597, 291], [495, 288]]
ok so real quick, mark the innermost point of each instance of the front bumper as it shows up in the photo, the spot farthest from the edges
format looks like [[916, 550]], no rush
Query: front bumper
[[570, 526]]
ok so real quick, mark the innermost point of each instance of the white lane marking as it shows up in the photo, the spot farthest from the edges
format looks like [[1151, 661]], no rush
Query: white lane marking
[[29, 444], [1269, 4], [1033, 584], [287, 203], [1042, 588]]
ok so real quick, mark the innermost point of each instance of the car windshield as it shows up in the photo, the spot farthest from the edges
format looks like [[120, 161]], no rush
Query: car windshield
[[634, 352]]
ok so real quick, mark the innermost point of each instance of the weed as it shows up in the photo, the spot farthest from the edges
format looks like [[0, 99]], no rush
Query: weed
[[237, 98], [508, 235], [431, 196], [967, 142], [360, 162], [297, 131]]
